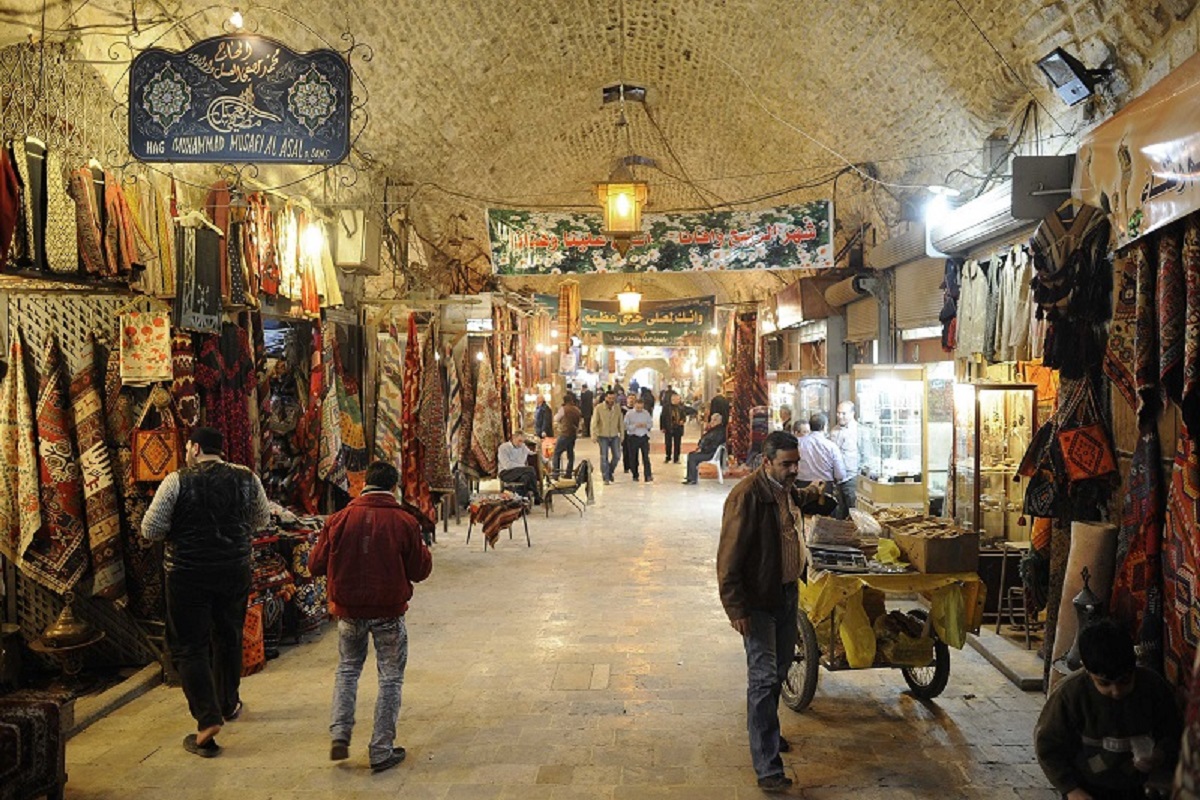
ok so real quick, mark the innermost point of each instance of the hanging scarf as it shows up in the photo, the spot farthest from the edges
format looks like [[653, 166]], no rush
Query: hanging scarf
[[1181, 562], [88, 221], [20, 505], [120, 235], [101, 503], [486, 432], [57, 558], [570, 312], [1119, 354], [216, 205], [454, 422], [412, 456], [389, 399], [432, 419], [62, 249], [183, 383], [198, 294]]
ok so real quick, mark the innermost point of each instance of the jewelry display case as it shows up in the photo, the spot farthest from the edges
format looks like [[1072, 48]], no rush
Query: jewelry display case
[[813, 395], [891, 403], [993, 425]]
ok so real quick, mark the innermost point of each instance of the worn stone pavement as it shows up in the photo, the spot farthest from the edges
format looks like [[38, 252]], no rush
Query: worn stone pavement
[[597, 664]]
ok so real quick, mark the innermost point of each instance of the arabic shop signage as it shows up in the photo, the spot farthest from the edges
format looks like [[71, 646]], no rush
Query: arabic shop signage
[[239, 98], [550, 243]]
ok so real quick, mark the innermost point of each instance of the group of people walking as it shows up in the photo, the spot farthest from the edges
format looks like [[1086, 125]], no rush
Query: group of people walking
[[832, 457]]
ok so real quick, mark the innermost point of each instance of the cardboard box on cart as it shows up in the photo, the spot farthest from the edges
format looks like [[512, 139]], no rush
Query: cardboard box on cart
[[936, 554]]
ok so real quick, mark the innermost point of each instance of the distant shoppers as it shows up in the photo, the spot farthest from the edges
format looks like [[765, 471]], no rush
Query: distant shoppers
[[801, 428], [207, 513], [648, 400], [543, 420], [760, 559], [719, 405], [566, 428], [586, 399], [821, 460], [713, 438], [372, 553], [846, 436], [785, 419], [608, 423], [637, 438], [512, 458], [674, 415]]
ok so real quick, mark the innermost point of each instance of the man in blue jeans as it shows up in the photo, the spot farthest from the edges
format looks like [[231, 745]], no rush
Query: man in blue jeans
[[372, 553], [760, 559], [608, 426]]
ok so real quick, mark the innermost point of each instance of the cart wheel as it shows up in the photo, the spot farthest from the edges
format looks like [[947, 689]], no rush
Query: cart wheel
[[801, 682], [928, 682]]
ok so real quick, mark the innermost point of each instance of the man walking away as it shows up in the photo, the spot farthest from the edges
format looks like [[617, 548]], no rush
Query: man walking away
[[372, 553], [637, 438], [566, 423], [586, 401], [675, 415], [821, 460], [512, 458], [713, 438], [608, 423], [207, 513], [760, 558]]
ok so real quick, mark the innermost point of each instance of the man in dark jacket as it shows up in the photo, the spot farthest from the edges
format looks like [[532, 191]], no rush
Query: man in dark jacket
[[587, 402], [543, 420], [706, 448], [207, 513], [760, 559], [372, 553]]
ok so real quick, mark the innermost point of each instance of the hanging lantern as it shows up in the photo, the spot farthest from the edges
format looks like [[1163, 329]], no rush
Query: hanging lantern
[[629, 299], [623, 199]]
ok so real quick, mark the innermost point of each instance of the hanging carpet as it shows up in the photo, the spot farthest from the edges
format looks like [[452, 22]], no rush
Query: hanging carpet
[[331, 464], [308, 432], [1191, 329], [1181, 563], [431, 423], [389, 398], [20, 504], [350, 420], [412, 455], [101, 503], [454, 420], [183, 384], [57, 558], [466, 382], [748, 391], [1172, 306], [486, 432], [1119, 355]]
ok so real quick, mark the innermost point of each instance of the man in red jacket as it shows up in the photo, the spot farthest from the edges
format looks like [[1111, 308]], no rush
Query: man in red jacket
[[372, 553]]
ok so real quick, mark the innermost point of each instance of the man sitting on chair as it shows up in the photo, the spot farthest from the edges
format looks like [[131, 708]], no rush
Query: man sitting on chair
[[513, 458], [714, 437]]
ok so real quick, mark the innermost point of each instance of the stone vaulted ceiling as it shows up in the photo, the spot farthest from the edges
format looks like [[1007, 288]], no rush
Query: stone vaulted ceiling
[[751, 102]]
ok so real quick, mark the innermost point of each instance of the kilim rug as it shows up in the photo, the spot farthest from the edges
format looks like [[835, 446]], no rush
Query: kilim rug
[[308, 432], [331, 467], [1145, 341], [101, 502], [745, 381], [1172, 309], [30, 744], [466, 380], [1119, 355], [183, 384], [486, 432], [1191, 331], [1181, 564], [454, 419], [20, 505], [412, 455], [388, 399], [57, 557], [432, 419]]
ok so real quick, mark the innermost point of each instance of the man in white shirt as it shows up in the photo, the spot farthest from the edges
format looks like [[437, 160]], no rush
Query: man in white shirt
[[820, 459], [845, 436], [637, 438], [513, 464]]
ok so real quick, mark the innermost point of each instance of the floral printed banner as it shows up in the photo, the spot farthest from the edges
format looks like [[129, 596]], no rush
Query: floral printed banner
[[553, 243], [145, 348], [239, 98]]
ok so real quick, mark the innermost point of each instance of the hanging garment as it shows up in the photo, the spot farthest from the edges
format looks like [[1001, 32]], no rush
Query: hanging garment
[[287, 232], [1020, 304], [20, 504], [432, 419], [308, 432], [101, 503], [198, 295], [28, 244], [261, 229], [972, 309], [10, 206], [950, 292], [570, 312], [225, 377], [145, 347], [331, 466], [997, 266], [389, 400], [486, 431], [412, 456], [89, 221], [183, 382], [1119, 354], [150, 209], [233, 258], [50, 242], [57, 558], [1181, 562], [216, 206], [120, 234], [1137, 593]]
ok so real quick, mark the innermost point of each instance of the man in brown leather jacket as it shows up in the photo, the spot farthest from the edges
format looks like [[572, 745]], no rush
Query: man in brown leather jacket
[[760, 559]]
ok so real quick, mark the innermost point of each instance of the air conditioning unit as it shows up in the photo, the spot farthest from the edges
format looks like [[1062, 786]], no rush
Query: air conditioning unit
[[899, 249], [976, 222], [356, 240]]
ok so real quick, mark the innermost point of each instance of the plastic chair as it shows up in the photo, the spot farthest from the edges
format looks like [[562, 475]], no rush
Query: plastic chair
[[718, 460]]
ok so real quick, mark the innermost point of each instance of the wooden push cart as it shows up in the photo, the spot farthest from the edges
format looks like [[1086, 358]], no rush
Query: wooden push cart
[[832, 633]]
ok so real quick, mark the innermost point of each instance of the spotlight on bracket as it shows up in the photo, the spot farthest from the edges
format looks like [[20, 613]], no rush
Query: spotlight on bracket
[[1070, 78]]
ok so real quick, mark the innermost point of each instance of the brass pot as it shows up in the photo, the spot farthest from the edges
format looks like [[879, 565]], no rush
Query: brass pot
[[67, 630]]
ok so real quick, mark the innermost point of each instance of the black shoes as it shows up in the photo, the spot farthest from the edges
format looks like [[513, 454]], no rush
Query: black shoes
[[775, 783], [689, 483], [339, 750], [784, 745], [395, 758], [209, 749]]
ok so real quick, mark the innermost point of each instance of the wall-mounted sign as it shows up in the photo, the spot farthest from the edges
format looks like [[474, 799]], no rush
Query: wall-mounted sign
[[551, 243], [239, 98]]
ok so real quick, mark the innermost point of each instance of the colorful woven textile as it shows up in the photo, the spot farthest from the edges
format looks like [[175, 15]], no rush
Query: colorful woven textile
[[454, 418], [1181, 563], [495, 512], [1137, 584], [198, 290], [57, 557], [145, 347], [101, 502], [1172, 309], [466, 380], [350, 420], [331, 465], [412, 449], [1191, 330], [1145, 343], [308, 432], [389, 399], [570, 312], [747, 391], [31, 745], [431, 425], [225, 376], [1119, 355], [486, 431], [20, 504], [183, 384], [1187, 775], [254, 656]]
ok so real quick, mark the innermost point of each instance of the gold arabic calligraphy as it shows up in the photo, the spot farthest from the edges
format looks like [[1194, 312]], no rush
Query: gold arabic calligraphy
[[235, 60]]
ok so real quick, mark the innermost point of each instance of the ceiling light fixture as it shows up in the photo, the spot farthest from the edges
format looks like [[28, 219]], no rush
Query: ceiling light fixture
[[629, 299], [623, 198], [943, 191], [1070, 78], [236, 20]]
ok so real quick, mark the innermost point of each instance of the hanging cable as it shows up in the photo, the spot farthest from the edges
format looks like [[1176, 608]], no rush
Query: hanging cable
[[675, 157]]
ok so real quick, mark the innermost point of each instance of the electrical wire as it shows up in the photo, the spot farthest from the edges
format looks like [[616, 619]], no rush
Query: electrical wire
[[675, 157]]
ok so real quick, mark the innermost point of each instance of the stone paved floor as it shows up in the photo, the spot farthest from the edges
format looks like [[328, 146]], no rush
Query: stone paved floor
[[597, 665]]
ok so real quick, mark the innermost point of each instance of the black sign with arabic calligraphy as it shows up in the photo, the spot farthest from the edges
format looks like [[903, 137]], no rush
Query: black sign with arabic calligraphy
[[239, 98], [663, 322]]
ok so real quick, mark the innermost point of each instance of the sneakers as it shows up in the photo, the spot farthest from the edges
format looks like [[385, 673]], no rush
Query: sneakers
[[339, 750], [775, 783], [395, 758], [209, 749]]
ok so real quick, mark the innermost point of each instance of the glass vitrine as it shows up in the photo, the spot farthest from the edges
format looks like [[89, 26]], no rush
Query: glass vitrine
[[813, 395], [993, 425], [891, 407]]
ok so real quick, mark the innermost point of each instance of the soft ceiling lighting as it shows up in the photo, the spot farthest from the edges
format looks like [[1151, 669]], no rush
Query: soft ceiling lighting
[[313, 240], [1070, 78], [623, 198], [943, 191], [235, 19], [629, 299]]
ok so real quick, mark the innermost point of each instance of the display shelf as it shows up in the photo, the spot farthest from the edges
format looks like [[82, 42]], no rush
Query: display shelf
[[891, 403]]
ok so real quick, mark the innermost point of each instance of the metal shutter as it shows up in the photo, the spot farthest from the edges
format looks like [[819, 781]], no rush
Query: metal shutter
[[862, 320], [918, 293]]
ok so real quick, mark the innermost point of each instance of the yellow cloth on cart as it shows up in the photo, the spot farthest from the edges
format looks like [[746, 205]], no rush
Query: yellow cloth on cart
[[956, 600], [858, 636]]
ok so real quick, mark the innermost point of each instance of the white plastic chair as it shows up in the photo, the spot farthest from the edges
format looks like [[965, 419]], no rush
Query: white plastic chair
[[718, 460]]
